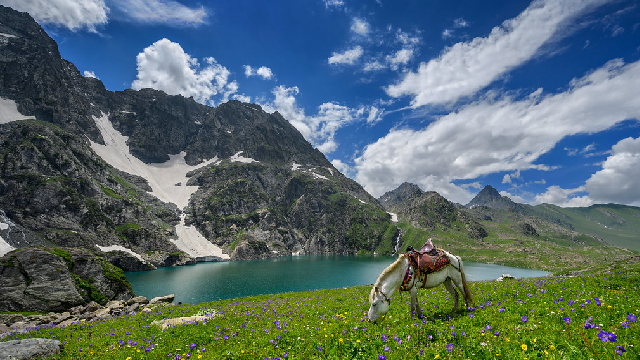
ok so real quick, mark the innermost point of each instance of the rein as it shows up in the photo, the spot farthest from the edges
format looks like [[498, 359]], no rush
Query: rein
[[386, 298]]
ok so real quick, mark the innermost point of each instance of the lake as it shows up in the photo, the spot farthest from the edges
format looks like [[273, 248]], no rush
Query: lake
[[224, 280]]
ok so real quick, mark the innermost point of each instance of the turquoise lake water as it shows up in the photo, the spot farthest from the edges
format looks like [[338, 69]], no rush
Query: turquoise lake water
[[224, 280]]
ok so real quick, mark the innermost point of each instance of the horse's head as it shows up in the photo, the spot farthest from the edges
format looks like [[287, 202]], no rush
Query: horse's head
[[379, 304]]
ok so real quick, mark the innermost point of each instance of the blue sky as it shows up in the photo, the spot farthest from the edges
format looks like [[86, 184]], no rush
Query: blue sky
[[539, 99]]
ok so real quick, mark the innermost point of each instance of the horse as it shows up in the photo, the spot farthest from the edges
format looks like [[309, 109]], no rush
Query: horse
[[399, 275]]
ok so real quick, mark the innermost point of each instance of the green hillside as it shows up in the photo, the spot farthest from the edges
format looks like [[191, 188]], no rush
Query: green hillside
[[618, 225]]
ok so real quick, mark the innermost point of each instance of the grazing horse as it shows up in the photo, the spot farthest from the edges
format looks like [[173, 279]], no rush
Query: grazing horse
[[406, 275]]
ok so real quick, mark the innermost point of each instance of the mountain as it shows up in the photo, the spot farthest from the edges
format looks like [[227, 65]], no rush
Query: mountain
[[494, 229], [491, 198], [147, 179]]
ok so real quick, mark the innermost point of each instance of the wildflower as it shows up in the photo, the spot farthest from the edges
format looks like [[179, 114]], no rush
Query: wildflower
[[320, 348], [625, 324], [632, 317], [386, 349], [524, 319], [551, 347], [471, 315], [620, 350], [193, 346], [524, 347], [381, 357], [450, 347], [567, 319]]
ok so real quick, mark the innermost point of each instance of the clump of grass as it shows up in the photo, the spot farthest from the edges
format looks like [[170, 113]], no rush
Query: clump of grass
[[582, 317]]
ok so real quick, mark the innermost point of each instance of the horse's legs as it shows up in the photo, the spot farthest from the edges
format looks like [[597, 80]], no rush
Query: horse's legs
[[453, 292], [415, 307], [457, 280]]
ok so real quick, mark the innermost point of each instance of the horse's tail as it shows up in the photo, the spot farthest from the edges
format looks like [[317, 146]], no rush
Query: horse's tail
[[467, 291]]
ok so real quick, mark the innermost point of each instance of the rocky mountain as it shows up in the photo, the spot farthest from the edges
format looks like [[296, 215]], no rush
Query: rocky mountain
[[145, 179], [430, 211], [491, 198]]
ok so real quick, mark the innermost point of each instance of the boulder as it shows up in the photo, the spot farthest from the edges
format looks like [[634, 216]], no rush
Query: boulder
[[29, 349], [163, 299]]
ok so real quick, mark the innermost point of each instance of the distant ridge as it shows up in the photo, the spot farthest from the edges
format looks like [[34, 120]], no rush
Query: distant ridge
[[406, 191]]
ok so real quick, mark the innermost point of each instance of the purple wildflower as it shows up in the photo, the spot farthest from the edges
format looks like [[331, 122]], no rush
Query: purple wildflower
[[386, 349], [381, 357], [567, 319], [620, 350], [450, 347], [632, 317], [524, 319], [193, 346]]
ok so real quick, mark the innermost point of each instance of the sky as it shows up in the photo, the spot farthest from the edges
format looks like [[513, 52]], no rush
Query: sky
[[540, 100]]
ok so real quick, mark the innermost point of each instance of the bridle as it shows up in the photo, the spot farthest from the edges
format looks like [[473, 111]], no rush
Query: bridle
[[386, 298]]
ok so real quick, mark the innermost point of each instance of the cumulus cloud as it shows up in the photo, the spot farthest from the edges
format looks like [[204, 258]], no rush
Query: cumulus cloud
[[401, 57], [90, 14], [165, 66], [564, 197], [347, 57], [341, 166], [332, 3], [263, 71], [90, 74], [318, 129], [495, 135], [360, 26], [465, 68], [617, 182], [167, 12], [72, 14]]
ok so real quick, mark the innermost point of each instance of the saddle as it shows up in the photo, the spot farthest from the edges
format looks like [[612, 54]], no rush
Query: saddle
[[429, 259]]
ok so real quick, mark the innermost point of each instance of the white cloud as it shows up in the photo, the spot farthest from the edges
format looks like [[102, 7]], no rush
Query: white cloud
[[90, 74], [347, 57], [563, 197], [374, 66], [318, 129], [495, 135], [72, 14], [465, 68], [341, 166], [165, 66], [460, 23], [334, 3], [360, 26], [263, 71], [375, 115], [243, 98], [447, 33], [167, 12], [401, 57], [617, 182]]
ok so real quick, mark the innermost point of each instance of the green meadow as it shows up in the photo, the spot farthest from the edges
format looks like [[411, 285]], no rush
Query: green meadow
[[590, 316]]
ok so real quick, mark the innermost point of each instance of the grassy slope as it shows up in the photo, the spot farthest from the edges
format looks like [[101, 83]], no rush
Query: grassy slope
[[618, 225], [530, 318]]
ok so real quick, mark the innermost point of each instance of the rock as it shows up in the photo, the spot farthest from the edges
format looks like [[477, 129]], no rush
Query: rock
[[91, 307], [163, 299], [505, 276], [180, 321], [132, 308], [10, 318], [138, 299], [115, 304], [56, 279], [29, 348], [102, 313]]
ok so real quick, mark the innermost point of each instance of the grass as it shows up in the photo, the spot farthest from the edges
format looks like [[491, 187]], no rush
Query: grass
[[583, 317]]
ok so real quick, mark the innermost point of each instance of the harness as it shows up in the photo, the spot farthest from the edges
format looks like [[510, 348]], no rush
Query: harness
[[386, 298]]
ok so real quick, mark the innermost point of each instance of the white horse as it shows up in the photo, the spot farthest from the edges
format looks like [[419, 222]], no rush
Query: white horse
[[393, 276]]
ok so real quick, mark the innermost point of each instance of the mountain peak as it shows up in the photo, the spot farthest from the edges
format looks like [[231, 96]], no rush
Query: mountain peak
[[490, 197], [403, 192]]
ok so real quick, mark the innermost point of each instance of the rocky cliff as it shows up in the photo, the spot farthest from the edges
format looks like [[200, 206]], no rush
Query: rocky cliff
[[55, 279], [159, 180]]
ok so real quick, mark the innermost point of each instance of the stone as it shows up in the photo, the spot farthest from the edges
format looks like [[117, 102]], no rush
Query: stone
[[91, 307], [163, 299], [138, 299], [29, 348]]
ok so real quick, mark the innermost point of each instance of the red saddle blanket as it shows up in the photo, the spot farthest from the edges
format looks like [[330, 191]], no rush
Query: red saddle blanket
[[428, 262]]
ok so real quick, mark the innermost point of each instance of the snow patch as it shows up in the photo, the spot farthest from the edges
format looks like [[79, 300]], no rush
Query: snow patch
[[394, 217], [9, 111], [5, 247], [7, 35], [120, 248], [239, 158], [295, 166], [318, 176], [168, 180], [193, 243]]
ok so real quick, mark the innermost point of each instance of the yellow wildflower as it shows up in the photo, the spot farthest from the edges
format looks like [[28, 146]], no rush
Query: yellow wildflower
[[524, 347], [551, 347]]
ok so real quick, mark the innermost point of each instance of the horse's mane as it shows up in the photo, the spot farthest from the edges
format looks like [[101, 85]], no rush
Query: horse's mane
[[390, 269]]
